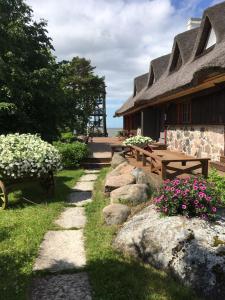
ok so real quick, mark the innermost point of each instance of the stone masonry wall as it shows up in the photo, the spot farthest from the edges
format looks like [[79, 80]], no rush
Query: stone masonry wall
[[199, 141]]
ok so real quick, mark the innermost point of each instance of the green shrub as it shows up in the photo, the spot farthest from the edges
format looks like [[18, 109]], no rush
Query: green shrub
[[67, 137], [72, 154], [219, 183], [191, 197]]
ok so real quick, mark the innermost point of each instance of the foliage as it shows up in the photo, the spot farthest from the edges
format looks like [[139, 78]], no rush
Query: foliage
[[81, 90], [29, 77], [191, 197], [113, 276], [67, 137], [72, 154], [26, 155], [22, 227], [137, 140], [219, 183]]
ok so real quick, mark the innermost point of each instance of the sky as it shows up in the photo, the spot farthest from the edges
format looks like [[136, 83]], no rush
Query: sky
[[120, 37]]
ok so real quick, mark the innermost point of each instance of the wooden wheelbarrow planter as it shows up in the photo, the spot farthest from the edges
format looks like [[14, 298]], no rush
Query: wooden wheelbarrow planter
[[6, 184]]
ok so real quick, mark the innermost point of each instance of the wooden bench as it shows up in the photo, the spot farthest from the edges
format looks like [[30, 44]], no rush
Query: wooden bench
[[169, 164]]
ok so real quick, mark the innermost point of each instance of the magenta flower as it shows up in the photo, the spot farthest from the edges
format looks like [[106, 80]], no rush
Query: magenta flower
[[201, 195], [214, 209], [195, 187], [203, 188], [196, 202], [184, 206]]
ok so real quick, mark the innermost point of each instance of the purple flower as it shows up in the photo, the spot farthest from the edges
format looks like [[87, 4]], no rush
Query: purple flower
[[184, 206], [196, 202]]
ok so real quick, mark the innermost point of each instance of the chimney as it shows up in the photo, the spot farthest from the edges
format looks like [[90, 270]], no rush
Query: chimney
[[193, 23]]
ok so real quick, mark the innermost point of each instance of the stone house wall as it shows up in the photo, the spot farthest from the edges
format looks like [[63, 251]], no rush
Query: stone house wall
[[199, 141]]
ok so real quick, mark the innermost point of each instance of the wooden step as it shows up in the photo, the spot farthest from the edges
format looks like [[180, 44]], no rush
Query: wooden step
[[222, 159], [220, 166], [98, 160], [89, 165]]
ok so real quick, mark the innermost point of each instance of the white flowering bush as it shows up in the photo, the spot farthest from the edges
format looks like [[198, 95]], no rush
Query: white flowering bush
[[27, 155], [137, 140]]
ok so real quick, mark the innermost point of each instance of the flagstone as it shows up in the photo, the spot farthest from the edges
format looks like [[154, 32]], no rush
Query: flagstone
[[85, 186], [63, 286], [88, 177], [61, 250], [79, 198], [91, 171], [72, 218]]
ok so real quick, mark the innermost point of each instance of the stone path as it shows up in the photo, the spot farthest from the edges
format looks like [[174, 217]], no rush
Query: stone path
[[63, 250]]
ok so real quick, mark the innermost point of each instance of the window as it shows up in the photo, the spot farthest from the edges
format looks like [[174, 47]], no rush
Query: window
[[211, 39], [208, 38], [184, 113], [177, 60], [151, 78]]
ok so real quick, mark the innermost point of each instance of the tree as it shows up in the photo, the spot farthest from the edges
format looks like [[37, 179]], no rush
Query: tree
[[82, 89], [29, 77]]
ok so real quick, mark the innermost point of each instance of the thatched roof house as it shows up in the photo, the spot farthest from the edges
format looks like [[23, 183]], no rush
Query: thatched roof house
[[177, 83]]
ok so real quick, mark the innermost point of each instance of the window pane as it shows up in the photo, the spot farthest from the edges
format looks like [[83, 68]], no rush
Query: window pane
[[212, 39]]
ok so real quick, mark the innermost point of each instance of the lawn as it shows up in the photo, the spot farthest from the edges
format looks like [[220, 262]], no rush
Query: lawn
[[22, 227], [115, 277]]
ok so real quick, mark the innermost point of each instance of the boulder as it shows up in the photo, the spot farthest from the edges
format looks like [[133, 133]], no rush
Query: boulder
[[141, 176], [132, 194], [117, 159], [116, 214], [121, 175], [193, 249], [115, 182]]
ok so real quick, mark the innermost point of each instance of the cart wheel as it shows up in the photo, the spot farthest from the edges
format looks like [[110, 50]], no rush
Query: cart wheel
[[3, 196]]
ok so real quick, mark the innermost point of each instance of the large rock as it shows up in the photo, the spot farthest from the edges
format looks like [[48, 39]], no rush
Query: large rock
[[132, 194], [116, 214], [120, 176], [141, 176], [117, 159], [193, 249]]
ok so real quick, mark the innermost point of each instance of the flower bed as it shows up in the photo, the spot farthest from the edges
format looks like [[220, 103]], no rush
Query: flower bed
[[192, 197], [138, 140], [27, 155]]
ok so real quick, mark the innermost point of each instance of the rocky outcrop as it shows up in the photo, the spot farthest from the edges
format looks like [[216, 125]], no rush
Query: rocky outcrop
[[117, 159], [131, 194], [193, 249], [120, 176], [116, 214]]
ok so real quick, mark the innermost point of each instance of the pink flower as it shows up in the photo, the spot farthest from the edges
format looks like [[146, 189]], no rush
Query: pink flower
[[214, 209], [196, 202], [203, 188], [195, 187], [172, 189], [184, 206], [208, 198], [165, 209], [201, 195], [178, 191]]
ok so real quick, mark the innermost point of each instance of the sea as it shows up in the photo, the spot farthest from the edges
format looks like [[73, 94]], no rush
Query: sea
[[113, 131]]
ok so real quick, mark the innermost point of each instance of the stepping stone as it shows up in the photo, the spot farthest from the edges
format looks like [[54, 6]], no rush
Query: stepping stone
[[88, 177], [61, 250], [91, 171], [79, 198], [66, 286], [72, 218], [85, 186]]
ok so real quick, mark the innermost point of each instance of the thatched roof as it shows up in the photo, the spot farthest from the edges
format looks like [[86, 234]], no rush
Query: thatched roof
[[139, 83], [195, 65]]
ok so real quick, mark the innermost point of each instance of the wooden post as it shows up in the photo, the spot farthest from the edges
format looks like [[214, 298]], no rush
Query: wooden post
[[137, 155], [144, 159], [204, 164], [163, 171]]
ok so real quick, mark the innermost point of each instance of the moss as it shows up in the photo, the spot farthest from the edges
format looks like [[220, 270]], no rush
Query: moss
[[217, 242]]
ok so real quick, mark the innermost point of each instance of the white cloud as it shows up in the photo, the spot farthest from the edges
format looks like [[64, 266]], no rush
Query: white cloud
[[119, 36]]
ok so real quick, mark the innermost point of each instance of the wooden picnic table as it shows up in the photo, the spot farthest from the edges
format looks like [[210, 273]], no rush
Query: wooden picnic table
[[170, 164]]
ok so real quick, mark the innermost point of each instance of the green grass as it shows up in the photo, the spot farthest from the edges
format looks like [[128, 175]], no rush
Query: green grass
[[22, 227], [114, 277]]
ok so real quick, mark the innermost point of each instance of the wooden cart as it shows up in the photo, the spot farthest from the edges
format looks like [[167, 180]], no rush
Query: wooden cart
[[7, 184]]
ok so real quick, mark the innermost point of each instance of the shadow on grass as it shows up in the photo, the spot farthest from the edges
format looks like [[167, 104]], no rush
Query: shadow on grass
[[122, 280], [34, 193]]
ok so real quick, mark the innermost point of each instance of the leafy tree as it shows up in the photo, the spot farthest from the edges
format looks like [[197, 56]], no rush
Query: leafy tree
[[82, 89], [29, 78]]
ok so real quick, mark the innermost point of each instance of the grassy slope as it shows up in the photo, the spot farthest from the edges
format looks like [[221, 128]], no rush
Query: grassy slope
[[114, 277], [22, 227]]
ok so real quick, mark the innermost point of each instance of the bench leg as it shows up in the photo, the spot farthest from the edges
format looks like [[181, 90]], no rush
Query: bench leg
[[144, 160]]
